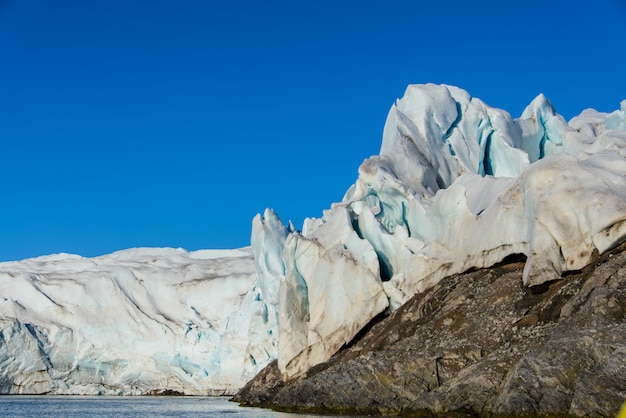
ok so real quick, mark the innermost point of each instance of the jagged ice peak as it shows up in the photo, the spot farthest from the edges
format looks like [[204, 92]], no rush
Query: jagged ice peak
[[457, 185]]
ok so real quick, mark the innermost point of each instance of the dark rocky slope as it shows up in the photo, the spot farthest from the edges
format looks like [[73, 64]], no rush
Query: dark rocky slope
[[478, 344]]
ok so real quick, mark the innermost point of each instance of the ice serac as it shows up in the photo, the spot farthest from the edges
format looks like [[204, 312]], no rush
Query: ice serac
[[457, 185], [331, 290], [463, 185], [268, 241], [133, 322]]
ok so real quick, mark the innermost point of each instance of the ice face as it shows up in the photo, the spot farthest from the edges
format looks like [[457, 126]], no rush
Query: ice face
[[268, 241], [457, 185], [617, 119], [131, 322], [332, 288]]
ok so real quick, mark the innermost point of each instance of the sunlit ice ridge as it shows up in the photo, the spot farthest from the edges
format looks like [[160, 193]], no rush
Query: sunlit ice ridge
[[456, 185]]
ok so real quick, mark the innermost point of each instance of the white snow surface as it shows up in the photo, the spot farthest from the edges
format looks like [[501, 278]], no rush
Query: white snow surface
[[133, 322], [457, 185]]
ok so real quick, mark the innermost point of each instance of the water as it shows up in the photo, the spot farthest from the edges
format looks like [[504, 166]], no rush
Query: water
[[109, 407]]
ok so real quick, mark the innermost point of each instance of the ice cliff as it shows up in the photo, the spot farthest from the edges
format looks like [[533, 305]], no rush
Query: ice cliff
[[136, 321], [457, 185]]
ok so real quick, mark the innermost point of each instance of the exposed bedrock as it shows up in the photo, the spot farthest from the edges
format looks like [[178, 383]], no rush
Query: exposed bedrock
[[478, 344]]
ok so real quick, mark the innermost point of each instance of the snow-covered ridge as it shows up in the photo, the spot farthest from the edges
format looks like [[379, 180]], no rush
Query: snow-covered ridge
[[457, 185], [131, 322]]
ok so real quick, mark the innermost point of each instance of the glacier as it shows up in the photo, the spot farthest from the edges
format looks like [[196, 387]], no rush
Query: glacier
[[457, 185], [138, 321]]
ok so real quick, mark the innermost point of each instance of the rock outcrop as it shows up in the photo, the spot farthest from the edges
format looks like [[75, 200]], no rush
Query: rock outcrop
[[478, 344]]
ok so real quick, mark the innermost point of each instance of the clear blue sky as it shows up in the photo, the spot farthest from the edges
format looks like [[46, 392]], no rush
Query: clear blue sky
[[172, 123]]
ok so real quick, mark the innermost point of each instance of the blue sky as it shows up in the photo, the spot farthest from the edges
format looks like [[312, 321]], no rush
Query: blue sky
[[172, 123]]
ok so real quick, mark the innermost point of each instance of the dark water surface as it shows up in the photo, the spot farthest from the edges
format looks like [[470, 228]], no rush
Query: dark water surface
[[152, 406]]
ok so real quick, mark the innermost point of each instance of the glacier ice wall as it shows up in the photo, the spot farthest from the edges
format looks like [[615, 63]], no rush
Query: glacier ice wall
[[457, 185], [133, 322], [268, 241]]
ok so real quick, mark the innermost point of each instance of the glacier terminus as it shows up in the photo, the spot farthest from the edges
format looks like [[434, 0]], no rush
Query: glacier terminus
[[457, 185]]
